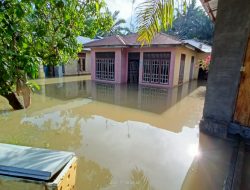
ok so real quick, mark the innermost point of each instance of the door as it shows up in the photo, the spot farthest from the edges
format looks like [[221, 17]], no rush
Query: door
[[242, 109], [133, 67], [182, 67], [191, 73]]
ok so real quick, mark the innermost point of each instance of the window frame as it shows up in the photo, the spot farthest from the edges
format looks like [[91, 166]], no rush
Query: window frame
[[154, 63], [105, 66]]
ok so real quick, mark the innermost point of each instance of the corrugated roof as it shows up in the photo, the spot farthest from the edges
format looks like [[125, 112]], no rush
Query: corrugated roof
[[131, 40], [83, 40], [199, 45]]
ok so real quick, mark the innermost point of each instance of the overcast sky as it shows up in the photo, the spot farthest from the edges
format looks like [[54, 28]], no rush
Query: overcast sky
[[125, 7]]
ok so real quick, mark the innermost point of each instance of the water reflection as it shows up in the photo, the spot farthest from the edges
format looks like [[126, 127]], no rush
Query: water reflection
[[91, 176], [210, 168], [156, 100], [126, 137], [139, 180], [108, 151]]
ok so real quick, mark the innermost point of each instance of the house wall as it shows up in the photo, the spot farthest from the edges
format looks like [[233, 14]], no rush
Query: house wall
[[121, 64], [148, 49], [88, 62], [189, 53], [71, 68], [119, 67]]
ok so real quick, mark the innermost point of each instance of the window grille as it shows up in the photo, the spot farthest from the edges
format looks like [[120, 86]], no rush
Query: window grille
[[105, 92], [105, 65], [156, 67]]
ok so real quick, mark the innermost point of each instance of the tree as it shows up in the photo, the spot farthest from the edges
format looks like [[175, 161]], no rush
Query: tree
[[99, 20], [194, 24], [116, 28], [34, 32], [154, 16]]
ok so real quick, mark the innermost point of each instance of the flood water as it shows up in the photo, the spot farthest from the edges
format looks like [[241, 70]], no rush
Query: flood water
[[126, 137]]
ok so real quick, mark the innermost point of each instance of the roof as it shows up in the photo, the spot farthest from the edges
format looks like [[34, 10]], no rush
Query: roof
[[199, 45], [211, 7], [83, 40], [131, 40]]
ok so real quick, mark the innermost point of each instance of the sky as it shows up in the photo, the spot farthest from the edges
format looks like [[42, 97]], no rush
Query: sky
[[125, 7]]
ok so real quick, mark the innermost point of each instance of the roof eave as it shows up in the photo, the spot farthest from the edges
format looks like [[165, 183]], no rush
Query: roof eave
[[106, 46], [205, 4]]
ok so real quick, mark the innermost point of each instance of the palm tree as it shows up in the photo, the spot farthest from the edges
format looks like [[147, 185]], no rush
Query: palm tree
[[117, 28], [195, 24], [154, 16]]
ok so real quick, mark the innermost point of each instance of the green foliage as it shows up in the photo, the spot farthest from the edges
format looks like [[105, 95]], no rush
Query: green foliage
[[117, 27], [195, 24], [187, 20], [154, 16], [34, 32], [98, 19]]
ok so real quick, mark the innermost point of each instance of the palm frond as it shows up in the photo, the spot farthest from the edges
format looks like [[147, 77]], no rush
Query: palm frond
[[154, 16], [119, 22], [115, 15]]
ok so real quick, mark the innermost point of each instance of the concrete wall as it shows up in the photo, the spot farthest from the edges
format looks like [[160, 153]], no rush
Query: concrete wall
[[189, 53], [232, 31], [72, 67], [119, 66]]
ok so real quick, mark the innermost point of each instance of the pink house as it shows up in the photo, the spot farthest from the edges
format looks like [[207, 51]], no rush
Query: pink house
[[167, 62]]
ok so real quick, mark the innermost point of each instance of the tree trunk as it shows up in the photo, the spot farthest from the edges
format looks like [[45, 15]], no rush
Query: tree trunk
[[13, 101]]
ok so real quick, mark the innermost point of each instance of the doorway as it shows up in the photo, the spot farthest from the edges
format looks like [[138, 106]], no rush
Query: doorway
[[181, 71], [133, 67]]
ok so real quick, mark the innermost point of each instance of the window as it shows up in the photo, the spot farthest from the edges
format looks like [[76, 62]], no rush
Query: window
[[156, 67], [81, 62], [182, 67], [105, 65]]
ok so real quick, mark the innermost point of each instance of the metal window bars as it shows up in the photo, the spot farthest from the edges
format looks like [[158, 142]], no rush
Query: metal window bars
[[156, 67], [105, 66]]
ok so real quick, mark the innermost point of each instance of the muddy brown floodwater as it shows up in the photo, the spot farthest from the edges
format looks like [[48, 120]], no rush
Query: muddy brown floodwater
[[126, 137]]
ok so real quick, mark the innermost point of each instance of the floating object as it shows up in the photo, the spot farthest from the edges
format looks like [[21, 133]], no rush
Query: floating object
[[36, 166]]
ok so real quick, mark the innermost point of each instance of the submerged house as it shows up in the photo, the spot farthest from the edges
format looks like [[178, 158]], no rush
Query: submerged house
[[167, 62], [81, 65]]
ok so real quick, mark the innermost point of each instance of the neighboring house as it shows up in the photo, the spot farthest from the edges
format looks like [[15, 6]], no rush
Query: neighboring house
[[79, 66], [167, 62], [82, 65]]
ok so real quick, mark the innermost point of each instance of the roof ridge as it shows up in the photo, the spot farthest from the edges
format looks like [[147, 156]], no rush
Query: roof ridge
[[171, 36], [95, 41]]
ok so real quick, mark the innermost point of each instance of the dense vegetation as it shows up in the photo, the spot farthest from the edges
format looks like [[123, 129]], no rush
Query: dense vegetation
[[181, 18], [194, 24], [35, 32]]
